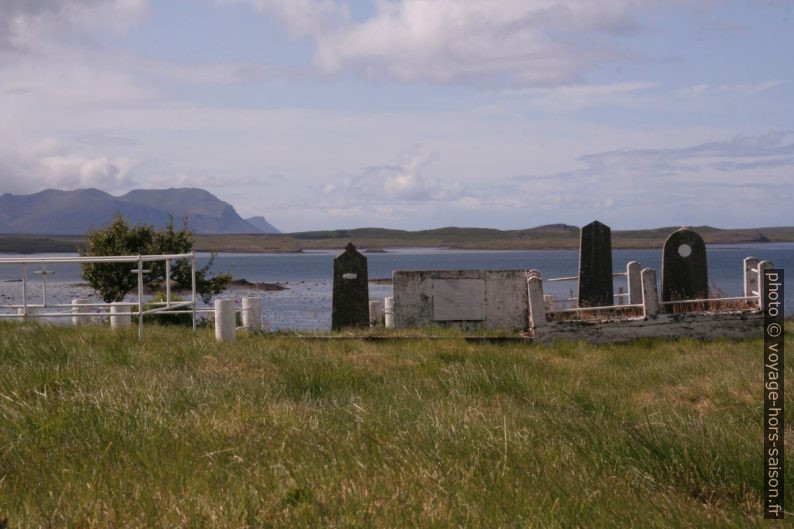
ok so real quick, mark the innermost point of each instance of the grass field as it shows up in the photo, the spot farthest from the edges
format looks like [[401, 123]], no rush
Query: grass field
[[99, 430]]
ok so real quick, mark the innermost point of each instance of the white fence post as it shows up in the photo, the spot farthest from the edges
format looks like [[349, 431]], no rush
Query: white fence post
[[650, 295], [252, 313], [193, 287], [224, 320], [763, 265], [77, 306], [119, 321], [388, 312], [26, 312], [24, 290], [750, 278], [634, 279], [537, 306], [375, 313]]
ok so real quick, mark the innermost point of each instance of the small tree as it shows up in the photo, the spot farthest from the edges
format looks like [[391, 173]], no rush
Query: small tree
[[112, 281]]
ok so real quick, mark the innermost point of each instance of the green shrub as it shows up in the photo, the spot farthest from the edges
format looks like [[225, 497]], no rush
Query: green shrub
[[113, 281]]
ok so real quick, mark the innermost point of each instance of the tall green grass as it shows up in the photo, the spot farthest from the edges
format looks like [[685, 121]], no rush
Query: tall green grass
[[100, 430]]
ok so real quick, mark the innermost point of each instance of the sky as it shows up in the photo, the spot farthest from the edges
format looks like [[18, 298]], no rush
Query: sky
[[410, 114]]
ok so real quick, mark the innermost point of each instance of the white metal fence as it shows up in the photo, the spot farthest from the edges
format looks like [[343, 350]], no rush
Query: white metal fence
[[632, 293], [80, 310], [642, 292]]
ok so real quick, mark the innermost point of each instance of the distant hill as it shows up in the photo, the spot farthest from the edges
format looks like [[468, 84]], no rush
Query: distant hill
[[549, 237], [57, 212], [262, 224]]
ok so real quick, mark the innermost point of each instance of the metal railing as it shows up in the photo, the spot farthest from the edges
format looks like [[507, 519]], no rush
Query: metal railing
[[576, 278], [79, 310], [751, 296], [709, 300], [619, 296]]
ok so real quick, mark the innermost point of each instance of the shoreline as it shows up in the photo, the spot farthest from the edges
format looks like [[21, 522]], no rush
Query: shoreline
[[379, 240], [573, 245]]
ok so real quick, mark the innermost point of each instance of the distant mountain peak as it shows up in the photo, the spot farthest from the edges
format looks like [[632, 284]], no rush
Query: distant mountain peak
[[262, 224], [556, 227], [54, 211]]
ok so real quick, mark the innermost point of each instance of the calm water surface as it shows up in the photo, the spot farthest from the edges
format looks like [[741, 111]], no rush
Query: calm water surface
[[306, 304]]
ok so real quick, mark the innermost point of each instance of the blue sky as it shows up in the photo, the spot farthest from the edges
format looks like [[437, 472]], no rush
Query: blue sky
[[410, 114]]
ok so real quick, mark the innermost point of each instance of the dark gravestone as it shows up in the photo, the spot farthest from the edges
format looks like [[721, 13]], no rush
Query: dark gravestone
[[350, 306], [684, 270], [595, 266]]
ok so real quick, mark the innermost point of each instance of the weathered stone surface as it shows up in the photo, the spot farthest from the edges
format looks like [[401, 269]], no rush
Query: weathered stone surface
[[595, 266], [252, 313], [375, 313], [650, 296], [459, 300], [634, 280], [350, 301], [422, 297], [684, 268], [225, 320], [693, 325], [537, 302], [388, 312], [117, 320]]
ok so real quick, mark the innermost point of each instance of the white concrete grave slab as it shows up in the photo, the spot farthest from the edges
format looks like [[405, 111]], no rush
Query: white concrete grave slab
[[469, 299], [459, 300]]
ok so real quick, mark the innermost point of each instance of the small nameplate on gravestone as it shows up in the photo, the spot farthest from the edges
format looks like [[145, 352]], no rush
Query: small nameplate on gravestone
[[350, 298], [458, 300]]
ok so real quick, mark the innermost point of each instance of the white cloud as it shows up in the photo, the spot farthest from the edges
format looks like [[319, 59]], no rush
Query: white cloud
[[49, 164], [118, 119], [576, 97], [70, 82], [742, 89], [28, 25], [706, 183], [402, 181], [510, 42], [74, 172], [50, 56]]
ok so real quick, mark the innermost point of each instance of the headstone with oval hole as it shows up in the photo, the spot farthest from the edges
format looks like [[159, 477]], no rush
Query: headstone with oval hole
[[684, 268], [350, 303], [595, 266]]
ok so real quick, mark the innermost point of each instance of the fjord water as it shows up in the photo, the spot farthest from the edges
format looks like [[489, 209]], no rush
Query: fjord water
[[306, 303]]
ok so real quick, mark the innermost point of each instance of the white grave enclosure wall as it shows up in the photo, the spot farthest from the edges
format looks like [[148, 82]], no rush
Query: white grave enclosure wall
[[471, 299]]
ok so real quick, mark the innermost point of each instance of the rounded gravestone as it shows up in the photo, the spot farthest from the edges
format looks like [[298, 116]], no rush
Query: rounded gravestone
[[684, 267], [595, 266]]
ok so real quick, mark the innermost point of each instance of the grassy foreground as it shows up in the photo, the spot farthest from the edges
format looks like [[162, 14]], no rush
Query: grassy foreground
[[98, 430]]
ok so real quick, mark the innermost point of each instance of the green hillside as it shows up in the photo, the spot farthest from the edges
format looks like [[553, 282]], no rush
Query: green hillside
[[552, 236]]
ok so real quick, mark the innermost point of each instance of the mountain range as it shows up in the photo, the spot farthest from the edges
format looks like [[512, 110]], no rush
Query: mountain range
[[58, 212]]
